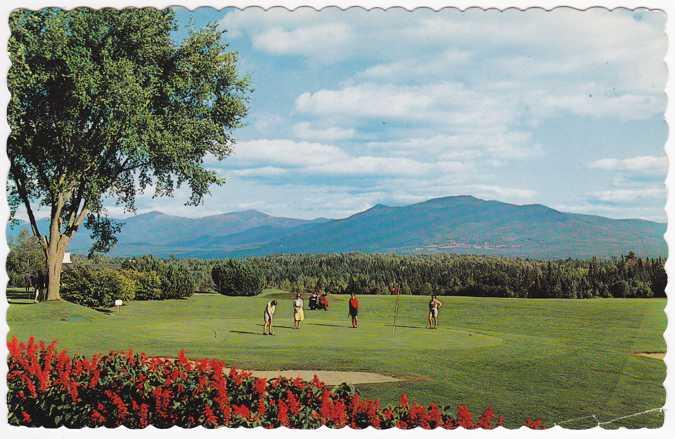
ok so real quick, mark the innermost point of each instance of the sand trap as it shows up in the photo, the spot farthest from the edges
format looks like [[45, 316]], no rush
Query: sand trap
[[655, 355], [329, 377]]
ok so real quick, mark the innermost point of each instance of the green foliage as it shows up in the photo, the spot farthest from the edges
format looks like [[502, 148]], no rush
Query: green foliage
[[176, 282], [95, 286], [235, 278], [148, 284], [25, 261], [104, 104], [443, 274], [158, 279]]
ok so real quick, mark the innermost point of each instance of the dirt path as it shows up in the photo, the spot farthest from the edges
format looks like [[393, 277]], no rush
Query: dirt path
[[329, 377], [655, 355]]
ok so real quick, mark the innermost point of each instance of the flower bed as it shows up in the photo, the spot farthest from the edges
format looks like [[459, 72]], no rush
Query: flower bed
[[47, 387]]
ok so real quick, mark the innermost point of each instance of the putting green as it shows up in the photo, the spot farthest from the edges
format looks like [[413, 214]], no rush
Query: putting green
[[554, 359]]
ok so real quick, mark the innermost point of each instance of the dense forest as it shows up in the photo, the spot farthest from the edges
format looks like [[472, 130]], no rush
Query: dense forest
[[362, 273], [626, 276]]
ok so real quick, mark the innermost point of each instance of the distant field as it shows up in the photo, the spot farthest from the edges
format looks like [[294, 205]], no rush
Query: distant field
[[554, 359]]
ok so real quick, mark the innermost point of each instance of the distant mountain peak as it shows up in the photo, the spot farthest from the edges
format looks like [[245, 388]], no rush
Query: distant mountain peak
[[152, 213], [452, 224]]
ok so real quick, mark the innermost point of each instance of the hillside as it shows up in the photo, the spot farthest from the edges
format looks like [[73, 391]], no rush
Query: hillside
[[459, 224]]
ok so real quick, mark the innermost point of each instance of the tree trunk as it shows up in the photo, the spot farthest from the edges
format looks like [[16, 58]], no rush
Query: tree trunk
[[54, 268]]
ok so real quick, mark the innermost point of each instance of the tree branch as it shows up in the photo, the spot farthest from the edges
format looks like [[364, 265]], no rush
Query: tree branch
[[26, 201]]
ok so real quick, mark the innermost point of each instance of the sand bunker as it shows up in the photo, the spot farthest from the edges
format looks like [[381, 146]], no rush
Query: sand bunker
[[329, 377], [655, 355]]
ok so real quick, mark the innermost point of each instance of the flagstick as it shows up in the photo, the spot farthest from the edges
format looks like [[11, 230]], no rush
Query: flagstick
[[396, 313]]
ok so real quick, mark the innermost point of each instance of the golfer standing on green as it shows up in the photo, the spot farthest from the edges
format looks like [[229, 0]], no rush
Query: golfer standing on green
[[354, 310], [298, 312], [268, 316], [434, 305]]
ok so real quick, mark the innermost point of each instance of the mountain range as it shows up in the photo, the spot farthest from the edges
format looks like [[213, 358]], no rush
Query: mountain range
[[457, 224]]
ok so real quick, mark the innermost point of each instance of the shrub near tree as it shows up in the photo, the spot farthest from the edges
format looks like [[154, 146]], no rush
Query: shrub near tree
[[176, 282], [234, 278], [148, 284], [157, 279], [25, 260], [97, 286]]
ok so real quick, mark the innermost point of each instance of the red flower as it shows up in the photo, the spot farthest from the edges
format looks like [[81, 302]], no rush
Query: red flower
[[96, 417], [41, 376], [317, 382], [120, 406], [485, 421], [403, 402], [535, 424], [464, 417], [283, 414], [181, 358], [260, 385], [261, 408], [326, 406], [210, 418], [242, 411], [293, 403], [299, 383], [26, 417]]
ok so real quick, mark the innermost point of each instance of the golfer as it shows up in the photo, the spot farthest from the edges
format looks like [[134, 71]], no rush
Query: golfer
[[354, 310], [267, 317], [298, 312], [434, 305]]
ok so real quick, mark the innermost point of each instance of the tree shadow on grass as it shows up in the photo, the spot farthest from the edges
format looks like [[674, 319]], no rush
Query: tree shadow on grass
[[14, 302], [408, 326], [246, 332], [278, 326], [329, 324]]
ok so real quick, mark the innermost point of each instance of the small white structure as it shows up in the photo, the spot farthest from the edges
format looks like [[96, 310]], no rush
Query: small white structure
[[66, 258], [118, 303]]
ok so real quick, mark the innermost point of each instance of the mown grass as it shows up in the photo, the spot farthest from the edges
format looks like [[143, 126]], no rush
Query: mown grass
[[554, 359]]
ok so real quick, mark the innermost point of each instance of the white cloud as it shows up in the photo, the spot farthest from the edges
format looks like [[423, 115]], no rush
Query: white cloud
[[646, 164], [307, 131], [436, 65], [502, 193], [618, 196], [650, 213], [323, 42], [629, 45], [284, 152], [559, 61], [287, 158], [262, 171], [386, 166], [444, 103], [464, 146]]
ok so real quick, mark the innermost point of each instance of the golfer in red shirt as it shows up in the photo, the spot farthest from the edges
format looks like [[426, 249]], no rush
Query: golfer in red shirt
[[354, 310]]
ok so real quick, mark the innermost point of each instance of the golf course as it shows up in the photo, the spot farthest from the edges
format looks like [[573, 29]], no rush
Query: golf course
[[555, 359]]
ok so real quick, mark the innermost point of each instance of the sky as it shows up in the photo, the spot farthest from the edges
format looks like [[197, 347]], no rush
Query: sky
[[355, 108]]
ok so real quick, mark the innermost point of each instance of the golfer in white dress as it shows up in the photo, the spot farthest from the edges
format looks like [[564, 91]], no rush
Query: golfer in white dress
[[298, 312], [268, 315]]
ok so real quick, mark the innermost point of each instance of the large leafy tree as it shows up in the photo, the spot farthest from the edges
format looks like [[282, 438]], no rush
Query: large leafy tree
[[105, 104]]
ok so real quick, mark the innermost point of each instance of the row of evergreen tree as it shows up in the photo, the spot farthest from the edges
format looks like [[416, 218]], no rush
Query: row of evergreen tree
[[625, 276]]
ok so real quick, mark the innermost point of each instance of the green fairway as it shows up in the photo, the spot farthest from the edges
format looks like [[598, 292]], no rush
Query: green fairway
[[554, 359]]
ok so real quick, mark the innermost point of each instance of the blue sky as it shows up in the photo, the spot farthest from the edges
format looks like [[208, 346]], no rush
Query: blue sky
[[354, 108]]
